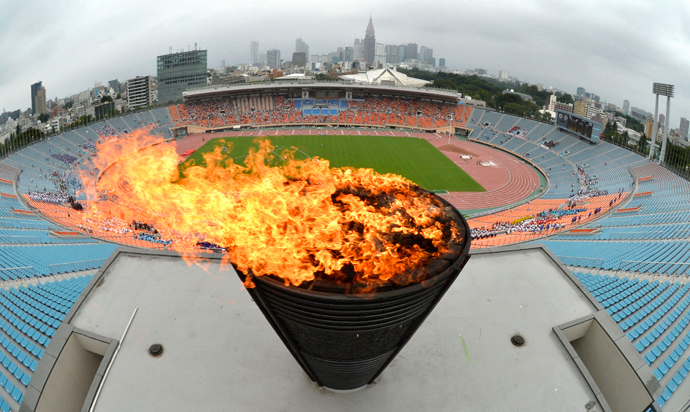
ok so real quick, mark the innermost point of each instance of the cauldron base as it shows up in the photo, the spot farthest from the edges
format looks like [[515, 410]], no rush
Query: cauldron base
[[346, 391]]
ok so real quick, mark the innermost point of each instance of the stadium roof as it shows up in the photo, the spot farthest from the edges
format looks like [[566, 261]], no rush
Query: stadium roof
[[220, 353], [385, 77], [342, 86], [294, 76]]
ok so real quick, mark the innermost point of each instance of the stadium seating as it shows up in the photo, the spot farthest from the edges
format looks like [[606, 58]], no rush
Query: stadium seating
[[655, 316], [647, 247], [270, 111], [654, 240]]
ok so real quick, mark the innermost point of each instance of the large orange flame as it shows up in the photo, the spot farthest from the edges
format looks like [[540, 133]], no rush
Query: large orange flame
[[298, 221]]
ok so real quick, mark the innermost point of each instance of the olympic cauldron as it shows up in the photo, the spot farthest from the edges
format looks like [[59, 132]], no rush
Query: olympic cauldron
[[344, 340]]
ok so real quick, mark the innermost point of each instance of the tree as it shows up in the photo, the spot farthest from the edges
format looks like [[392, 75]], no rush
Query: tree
[[119, 96], [642, 144], [443, 84], [514, 108], [106, 99], [609, 131], [631, 122], [43, 118], [566, 98]]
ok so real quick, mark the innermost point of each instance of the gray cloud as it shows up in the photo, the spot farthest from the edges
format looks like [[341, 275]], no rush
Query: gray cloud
[[616, 49]]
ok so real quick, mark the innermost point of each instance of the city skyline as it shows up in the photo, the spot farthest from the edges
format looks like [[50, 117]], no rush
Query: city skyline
[[558, 45]]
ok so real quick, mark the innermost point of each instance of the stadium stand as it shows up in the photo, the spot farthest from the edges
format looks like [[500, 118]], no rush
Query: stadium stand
[[43, 269], [639, 235], [219, 113], [647, 235], [654, 314]]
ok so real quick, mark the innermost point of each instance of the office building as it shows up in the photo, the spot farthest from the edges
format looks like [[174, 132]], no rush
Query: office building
[[358, 50], [299, 59], [639, 114], [254, 52], [34, 90], [442, 62], [139, 92], [178, 72], [580, 108], [369, 43], [273, 58], [580, 91], [411, 51], [40, 101], [626, 107], [349, 54], [115, 85], [301, 47], [426, 55], [684, 125]]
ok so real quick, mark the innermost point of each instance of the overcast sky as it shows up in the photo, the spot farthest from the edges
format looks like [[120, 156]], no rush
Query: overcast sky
[[615, 49]]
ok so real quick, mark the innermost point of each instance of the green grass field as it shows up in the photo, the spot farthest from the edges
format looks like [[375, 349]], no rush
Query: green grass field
[[413, 158]]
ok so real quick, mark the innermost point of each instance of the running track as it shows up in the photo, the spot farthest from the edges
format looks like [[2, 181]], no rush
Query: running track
[[507, 180]]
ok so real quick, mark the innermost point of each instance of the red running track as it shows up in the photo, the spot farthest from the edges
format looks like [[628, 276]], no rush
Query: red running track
[[506, 179]]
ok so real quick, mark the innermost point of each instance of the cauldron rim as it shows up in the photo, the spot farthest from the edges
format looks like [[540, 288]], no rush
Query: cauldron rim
[[379, 296]]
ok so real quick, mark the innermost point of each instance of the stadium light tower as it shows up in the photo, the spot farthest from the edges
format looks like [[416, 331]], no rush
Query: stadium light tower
[[663, 90]]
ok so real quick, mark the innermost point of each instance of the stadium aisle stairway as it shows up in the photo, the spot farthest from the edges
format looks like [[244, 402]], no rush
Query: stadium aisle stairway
[[655, 316], [29, 317]]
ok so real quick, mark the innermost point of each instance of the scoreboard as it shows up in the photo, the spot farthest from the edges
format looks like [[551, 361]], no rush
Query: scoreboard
[[581, 126]]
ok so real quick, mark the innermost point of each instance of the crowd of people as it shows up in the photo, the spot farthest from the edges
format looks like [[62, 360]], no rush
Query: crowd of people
[[49, 197], [529, 225], [65, 158], [106, 133], [202, 244], [114, 225], [546, 220], [139, 225], [87, 145], [280, 110], [154, 239]]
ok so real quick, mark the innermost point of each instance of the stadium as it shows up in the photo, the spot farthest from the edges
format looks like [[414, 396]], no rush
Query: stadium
[[579, 248]]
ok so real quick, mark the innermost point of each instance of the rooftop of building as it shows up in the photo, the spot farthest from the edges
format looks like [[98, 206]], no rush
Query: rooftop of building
[[220, 353]]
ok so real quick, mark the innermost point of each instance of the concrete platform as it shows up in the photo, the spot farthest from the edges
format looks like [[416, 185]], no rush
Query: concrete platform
[[221, 354]]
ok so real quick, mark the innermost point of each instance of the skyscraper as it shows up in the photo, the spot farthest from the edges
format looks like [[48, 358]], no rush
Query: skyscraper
[[41, 101], [370, 43], [626, 107], [358, 50], [299, 59], [380, 55], [181, 71], [139, 92], [580, 91], [301, 47], [411, 52], [442, 62], [273, 58], [115, 85], [253, 52], [34, 90], [349, 54], [684, 126], [426, 55]]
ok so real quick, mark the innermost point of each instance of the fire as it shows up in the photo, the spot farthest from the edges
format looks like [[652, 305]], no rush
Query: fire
[[299, 221]]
